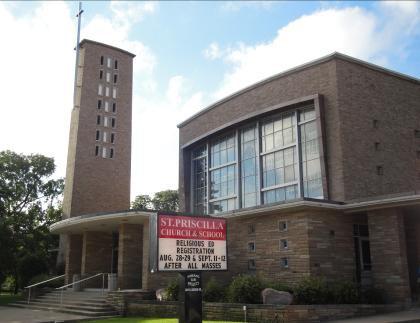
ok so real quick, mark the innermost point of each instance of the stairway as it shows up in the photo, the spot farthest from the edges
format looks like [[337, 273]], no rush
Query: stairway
[[86, 303]]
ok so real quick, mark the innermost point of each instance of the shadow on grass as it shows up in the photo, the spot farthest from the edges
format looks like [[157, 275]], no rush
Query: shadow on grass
[[6, 298]]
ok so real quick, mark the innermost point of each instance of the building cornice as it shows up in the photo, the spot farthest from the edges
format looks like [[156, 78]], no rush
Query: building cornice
[[84, 41], [335, 55]]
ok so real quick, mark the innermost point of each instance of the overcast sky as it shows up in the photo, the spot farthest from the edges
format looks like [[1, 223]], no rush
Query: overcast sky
[[188, 55]]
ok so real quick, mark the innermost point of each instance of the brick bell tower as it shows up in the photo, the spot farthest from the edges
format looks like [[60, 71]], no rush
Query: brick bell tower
[[99, 151]]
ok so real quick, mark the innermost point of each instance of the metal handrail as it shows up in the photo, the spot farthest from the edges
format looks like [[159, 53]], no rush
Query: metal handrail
[[79, 281], [40, 283]]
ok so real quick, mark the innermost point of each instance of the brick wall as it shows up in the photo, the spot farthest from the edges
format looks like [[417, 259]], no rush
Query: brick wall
[[388, 254], [260, 312], [130, 256], [73, 256]]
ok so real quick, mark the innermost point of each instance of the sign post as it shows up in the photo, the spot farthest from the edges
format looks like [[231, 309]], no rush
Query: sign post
[[189, 245]]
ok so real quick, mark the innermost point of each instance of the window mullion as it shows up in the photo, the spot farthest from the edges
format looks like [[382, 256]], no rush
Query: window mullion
[[238, 201], [208, 179], [299, 155], [259, 168]]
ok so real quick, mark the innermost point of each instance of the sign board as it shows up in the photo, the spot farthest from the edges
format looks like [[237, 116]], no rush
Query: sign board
[[191, 243]]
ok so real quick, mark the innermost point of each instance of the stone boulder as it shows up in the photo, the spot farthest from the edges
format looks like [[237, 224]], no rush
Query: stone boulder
[[275, 297], [161, 294]]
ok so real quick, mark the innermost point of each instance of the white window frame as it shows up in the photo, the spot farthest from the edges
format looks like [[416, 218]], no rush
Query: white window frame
[[106, 91], [105, 121], [100, 89], [108, 77], [108, 62], [106, 106], [114, 93], [103, 152], [105, 136]]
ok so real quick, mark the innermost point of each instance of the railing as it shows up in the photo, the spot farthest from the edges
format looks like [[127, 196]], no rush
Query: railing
[[40, 283], [79, 281]]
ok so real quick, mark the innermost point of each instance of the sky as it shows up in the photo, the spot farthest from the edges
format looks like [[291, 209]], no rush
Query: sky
[[188, 55]]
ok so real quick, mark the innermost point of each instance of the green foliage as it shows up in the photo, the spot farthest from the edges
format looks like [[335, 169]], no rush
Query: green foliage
[[142, 202], [8, 284], [43, 277], [245, 289], [28, 206], [312, 290], [344, 292], [373, 296], [172, 291], [213, 291], [162, 201], [280, 286]]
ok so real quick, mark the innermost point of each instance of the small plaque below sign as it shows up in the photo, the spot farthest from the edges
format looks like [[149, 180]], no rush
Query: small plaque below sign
[[193, 283]]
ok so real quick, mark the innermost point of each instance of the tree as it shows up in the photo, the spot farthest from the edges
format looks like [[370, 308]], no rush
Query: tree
[[162, 201], [28, 206], [166, 200], [142, 202]]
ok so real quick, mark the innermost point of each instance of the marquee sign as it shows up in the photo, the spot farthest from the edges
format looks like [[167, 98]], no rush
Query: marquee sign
[[191, 243]]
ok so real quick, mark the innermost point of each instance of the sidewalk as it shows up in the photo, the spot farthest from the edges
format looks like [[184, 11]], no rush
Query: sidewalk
[[411, 315], [25, 315]]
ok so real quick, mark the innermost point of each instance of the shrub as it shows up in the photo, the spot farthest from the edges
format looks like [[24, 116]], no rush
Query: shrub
[[245, 289], [312, 290], [42, 277], [172, 291], [344, 293], [280, 287], [213, 291], [373, 296], [8, 284]]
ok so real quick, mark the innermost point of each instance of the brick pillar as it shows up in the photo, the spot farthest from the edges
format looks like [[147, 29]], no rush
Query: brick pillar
[[145, 276], [412, 231], [389, 254], [97, 252], [130, 256], [73, 256]]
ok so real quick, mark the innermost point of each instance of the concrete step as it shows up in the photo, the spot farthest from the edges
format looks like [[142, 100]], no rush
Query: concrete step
[[89, 307], [108, 313], [73, 298]]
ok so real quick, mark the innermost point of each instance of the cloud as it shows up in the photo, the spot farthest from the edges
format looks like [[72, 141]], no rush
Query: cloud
[[37, 80], [354, 31], [155, 135], [213, 51]]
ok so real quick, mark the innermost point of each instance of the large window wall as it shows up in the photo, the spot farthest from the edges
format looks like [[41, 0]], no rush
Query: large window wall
[[271, 160]]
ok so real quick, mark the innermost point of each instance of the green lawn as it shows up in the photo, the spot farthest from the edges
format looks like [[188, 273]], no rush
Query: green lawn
[[147, 320], [9, 298]]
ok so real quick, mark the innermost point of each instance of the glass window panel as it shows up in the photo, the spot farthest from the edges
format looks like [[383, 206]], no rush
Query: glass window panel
[[249, 184], [215, 147], [250, 200], [309, 132], [230, 204], [278, 157], [311, 149], [230, 142], [280, 194], [248, 134], [269, 161], [223, 157], [248, 167], [231, 154], [270, 196], [231, 172], [223, 174], [230, 188], [287, 121], [289, 156], [278, 139], [270, 178], [269, 142], [288, 137], [268, 128], [313, 169], [215, 159], [248, 149], [314, 188], [289, 174], [291, 192], [280, 175], [278, 125], [307, 114], [223, 189]]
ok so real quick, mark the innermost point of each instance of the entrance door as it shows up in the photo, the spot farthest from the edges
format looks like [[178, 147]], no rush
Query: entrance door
[[114, 257], [362, 253]]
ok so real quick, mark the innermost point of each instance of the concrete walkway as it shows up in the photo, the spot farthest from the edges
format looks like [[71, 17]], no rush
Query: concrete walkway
[[26, 315], [411, 315]]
